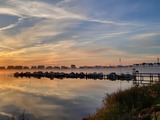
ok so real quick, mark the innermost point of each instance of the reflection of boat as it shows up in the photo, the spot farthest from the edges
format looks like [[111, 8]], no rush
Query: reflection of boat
[[125, 76], [100, 75], [94, 75], [81, 75], [16, 74], [121, 76], [128, 77], [112, 76]]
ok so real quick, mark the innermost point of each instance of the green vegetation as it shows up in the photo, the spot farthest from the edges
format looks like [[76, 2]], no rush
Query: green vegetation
[[137, 103]]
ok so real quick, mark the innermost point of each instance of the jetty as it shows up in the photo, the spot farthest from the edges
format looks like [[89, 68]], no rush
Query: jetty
[[145, 78]]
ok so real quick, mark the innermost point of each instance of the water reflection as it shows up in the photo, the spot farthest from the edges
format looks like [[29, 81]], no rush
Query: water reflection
[[69, 99]]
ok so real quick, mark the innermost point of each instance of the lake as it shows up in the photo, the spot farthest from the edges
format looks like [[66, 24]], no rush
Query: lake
[[58, 99]]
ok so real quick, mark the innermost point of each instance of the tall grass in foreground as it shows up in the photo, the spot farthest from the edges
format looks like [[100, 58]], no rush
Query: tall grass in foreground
[[22, 116], [137, 103]]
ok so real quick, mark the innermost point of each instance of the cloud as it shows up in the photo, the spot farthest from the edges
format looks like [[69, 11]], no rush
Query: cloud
[[8, 11], [6, 47], [46, 53], [109, 22], [12, 25], [35, 9], [114, 34], [30, 36], [44, 10], [146, 36], [38, 41], [63, 2]]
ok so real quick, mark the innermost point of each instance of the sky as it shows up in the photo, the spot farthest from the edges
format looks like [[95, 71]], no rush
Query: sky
[[81, 32]]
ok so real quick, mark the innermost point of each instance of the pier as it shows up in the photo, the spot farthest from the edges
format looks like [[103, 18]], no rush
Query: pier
[[145, 78]]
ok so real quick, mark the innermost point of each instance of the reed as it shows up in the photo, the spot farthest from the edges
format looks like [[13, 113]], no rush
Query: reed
[[137, 103], [22, 116]]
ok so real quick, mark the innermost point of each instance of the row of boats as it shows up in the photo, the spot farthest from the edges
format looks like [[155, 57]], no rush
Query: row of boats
[[114, 76], [81, 75], [60, 75]]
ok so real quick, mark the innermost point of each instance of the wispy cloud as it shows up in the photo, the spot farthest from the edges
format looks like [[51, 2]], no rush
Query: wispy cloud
[[63, 2], [35, 9], [12, 25], [114, 34], [109, 22], [10, 48], [146, 36], [9, 11], [45, 10], [30, 36]]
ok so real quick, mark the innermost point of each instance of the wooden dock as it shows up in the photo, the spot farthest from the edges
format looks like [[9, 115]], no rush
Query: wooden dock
[[145, 78]]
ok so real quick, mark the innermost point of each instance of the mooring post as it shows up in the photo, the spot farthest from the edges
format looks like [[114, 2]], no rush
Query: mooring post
[[138, 76], [151, 78], [141, 78]]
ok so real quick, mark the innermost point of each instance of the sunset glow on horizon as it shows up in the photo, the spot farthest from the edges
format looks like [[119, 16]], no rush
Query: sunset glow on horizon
[[80, 32]]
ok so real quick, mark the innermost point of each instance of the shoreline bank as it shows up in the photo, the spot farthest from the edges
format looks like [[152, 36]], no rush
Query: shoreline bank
[[136, 103]]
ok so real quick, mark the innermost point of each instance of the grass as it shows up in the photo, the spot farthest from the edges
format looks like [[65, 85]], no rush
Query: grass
[[137, 103], [22, 116]]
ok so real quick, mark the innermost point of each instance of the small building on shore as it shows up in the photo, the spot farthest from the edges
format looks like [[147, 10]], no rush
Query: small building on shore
[[33, 67], [73, 67], [18, 67], [25, 67], [41, 67], [2, 68], [56, 67], [49, 67], [10, 67], [64, 67]]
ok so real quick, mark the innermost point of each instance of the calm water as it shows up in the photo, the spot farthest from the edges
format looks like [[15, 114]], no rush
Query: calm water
[[67, 99]]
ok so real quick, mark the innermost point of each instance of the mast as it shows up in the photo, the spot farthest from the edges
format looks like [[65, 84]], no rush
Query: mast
[[120, 72], [120, 64]]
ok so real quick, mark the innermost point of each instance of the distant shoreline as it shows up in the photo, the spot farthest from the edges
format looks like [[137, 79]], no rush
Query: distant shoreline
[[42, 67]]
